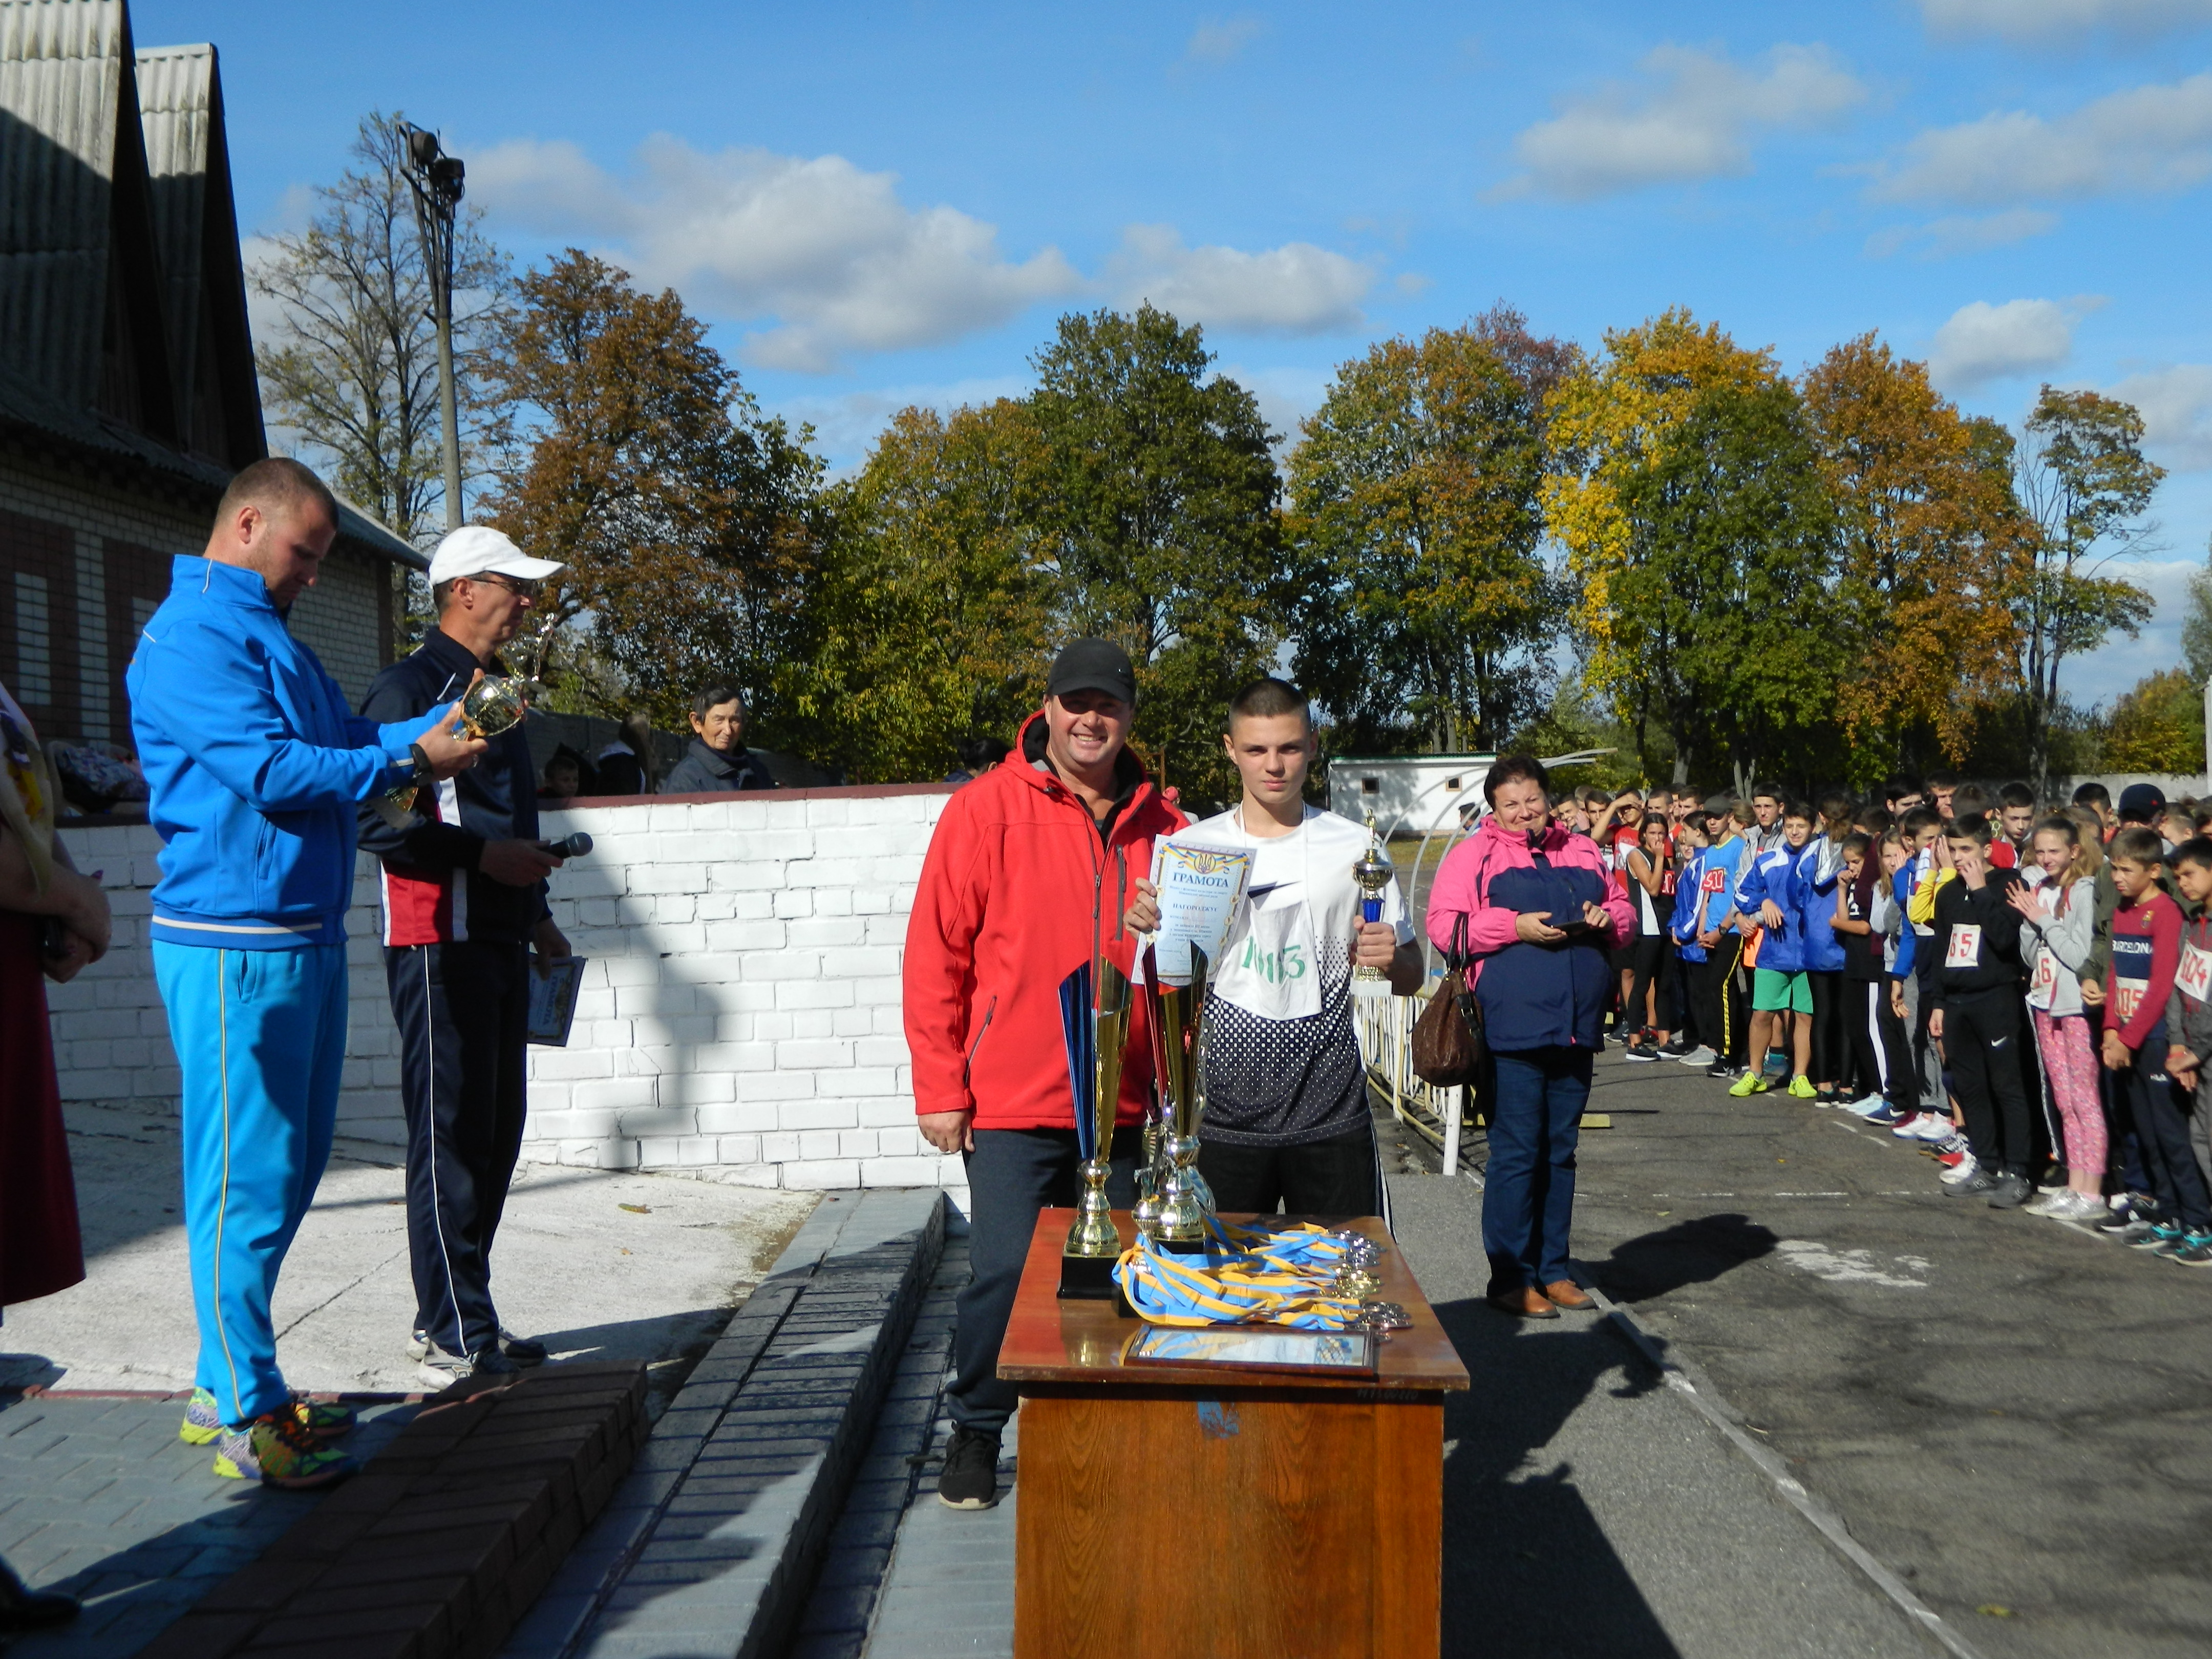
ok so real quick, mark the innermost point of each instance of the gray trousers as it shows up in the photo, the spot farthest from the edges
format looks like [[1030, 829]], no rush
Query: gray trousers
[[1926, 1058]]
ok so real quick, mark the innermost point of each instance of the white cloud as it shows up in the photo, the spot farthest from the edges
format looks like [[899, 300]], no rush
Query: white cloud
[[2144, 139], [831, 263], [2039, 20], [1956, 234], [826, 249], [1692, 117], [1982, 341], [1216, 41], [2176, 404], [1296, 288]]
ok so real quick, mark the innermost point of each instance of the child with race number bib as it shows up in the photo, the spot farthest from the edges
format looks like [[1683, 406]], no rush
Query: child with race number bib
[[1286, 1116], [1977, 1016], [2059, 916], [1768, 895], [2146, 958], [2189, 1015]]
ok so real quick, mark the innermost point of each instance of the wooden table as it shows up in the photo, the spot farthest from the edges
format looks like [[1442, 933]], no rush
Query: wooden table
[[1225, 1513]]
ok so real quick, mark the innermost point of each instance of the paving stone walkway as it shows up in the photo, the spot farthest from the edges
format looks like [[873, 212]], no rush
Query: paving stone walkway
[[99, 1497], [835, 1624]]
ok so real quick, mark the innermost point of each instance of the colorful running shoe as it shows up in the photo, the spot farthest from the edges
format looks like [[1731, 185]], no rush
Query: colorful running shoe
[[277, 1449], [1801, 1087], [324, 1419], [1751, 1083]]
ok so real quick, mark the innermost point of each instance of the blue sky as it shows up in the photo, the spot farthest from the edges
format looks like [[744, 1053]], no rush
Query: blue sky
[[878, 205]]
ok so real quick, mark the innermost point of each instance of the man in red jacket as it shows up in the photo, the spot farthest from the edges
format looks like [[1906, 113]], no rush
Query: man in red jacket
[[1030, 869]]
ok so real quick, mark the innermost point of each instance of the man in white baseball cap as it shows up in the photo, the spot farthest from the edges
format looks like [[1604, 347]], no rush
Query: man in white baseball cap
[[463, 883]]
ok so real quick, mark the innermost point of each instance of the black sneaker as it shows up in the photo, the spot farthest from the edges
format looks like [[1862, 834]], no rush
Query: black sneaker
[[1640, 1051], [2125, 1213], [523, 1351], [1980, 1184], [970, 1478], [2009, 1191], [1720, 1071], [1675, 1047]]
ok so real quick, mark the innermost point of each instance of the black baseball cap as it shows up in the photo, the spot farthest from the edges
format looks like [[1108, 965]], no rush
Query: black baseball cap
[[2144, 797], [1093, 665]]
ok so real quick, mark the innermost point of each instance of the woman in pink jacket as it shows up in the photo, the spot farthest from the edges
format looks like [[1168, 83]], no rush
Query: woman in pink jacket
[[1540, 917]]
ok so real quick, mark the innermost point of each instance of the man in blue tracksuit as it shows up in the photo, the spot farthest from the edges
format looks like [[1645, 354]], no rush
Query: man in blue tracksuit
[[255, 766]]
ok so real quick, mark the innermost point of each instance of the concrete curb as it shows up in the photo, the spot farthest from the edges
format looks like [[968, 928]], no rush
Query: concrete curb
[[709, 1546]]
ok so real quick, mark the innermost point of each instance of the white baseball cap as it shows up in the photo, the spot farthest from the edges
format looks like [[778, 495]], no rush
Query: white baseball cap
[[477, 550]]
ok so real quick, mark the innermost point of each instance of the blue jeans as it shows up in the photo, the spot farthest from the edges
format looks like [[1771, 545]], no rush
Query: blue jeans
[[1529, 1199], [261, 1039]]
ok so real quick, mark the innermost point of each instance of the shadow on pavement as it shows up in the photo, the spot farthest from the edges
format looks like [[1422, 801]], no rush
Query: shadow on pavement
[[1692, 1252], [1528, 1570]]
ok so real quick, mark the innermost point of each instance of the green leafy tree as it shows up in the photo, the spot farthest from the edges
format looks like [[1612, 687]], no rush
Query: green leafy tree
[[1724, 598], [2197, 626], [1418, 525], [2157, 726], [931, 618], [689, 523], [2082, 479], [1159, 512]]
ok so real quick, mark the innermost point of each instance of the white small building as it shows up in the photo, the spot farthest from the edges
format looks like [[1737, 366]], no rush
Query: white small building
[[1408, 794]]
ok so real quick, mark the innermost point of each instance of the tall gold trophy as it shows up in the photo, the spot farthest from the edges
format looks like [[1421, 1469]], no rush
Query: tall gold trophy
[[1180, 1012], [1086, 1264]]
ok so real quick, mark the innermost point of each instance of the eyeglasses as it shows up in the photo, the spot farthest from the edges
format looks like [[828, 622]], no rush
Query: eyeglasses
[[516, 586]]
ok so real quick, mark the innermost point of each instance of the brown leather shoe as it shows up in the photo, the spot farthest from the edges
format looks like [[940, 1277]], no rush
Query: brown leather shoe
[[1565, 1293], [1525, 1302]]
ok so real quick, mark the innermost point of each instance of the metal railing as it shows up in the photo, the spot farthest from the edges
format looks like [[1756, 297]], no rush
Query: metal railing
[[1385, 1028]]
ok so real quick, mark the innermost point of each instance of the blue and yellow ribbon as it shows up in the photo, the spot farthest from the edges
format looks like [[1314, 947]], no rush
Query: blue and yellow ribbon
[[1244, 1276]]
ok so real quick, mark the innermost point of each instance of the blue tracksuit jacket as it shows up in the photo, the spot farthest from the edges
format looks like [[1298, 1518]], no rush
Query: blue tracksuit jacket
[[1689, 904], [1774, 875], [1818, 867], [254, 765]]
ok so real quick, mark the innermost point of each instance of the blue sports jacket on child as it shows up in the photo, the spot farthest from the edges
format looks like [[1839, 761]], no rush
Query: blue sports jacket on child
[[1774, 875], [1819, 866]]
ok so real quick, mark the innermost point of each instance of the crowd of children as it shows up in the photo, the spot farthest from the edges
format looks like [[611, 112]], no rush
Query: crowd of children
[[2027, 995]]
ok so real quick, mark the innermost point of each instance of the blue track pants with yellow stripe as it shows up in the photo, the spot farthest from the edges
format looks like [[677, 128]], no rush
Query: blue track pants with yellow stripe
[[260, 1038]]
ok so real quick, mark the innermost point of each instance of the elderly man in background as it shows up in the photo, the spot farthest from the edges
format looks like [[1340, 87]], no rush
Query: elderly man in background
[[717, 758], [464, 904], [255, 768]]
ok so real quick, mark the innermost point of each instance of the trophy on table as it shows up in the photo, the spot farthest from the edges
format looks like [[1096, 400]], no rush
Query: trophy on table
[[1179, 1012], [488, 708], [1094, 1005], [1151, 1177], [1372, 875]]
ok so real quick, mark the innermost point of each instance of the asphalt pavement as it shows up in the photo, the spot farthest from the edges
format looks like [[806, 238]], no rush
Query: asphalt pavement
[[2012, 1416]]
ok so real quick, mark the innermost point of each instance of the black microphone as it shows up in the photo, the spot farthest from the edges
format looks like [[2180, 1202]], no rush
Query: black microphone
[[573, 845]]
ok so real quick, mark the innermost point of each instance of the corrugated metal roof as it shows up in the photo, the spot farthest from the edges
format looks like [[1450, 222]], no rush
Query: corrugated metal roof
[[61, 80], [176, 86]]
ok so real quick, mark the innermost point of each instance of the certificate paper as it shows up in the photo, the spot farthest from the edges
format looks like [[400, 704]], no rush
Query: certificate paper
[[553, 1000], [1199, 889]]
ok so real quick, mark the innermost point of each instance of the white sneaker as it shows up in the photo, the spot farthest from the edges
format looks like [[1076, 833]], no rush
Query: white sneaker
[[1702, 1054], [2078, 1206], [1865, 1105], [1910, 1128], [1933, 1128], [2051, 1203], [1963, 1174]]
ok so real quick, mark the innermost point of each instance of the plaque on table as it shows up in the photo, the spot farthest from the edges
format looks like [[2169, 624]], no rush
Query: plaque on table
[[1254, 1347]]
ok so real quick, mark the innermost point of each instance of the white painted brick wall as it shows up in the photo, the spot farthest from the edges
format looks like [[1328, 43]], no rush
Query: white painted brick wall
[[739, 1019]]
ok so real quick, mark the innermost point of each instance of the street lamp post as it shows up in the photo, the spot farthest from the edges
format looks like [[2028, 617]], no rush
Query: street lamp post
[[436, 180]]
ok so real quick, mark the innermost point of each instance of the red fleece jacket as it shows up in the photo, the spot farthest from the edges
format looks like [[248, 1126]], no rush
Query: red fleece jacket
[[1014, 883]]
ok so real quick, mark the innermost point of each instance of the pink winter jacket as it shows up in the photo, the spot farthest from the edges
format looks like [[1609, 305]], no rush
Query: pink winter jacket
[[1464, 883]]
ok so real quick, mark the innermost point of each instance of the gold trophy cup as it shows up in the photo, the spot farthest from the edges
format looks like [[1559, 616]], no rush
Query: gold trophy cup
[[1094, 1244], [488, 708], [1185, 1203]]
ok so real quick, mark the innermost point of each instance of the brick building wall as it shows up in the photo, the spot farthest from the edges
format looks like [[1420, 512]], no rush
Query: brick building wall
[[739, 1017], [83, 565]]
